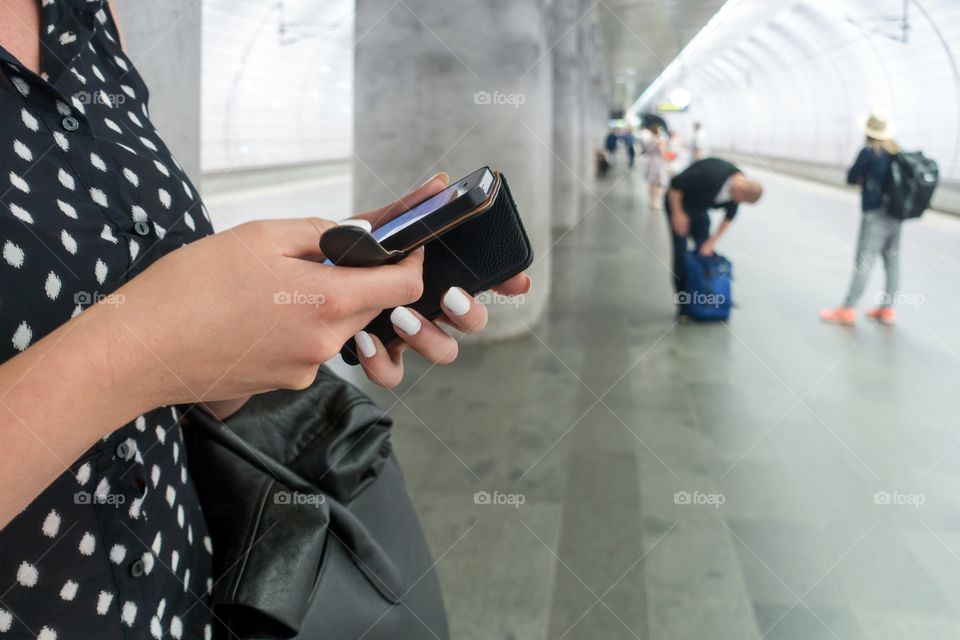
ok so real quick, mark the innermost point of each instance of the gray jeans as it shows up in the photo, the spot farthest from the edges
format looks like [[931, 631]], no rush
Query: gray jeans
[[879, 235]]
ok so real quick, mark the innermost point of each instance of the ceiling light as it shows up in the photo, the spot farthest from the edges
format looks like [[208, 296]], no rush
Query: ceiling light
[[681, 97]]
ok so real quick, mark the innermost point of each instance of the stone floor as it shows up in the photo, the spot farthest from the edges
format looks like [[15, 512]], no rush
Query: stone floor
[[771, 477]]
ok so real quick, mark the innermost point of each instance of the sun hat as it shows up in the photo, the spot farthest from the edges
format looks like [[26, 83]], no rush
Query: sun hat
[[877, 125]]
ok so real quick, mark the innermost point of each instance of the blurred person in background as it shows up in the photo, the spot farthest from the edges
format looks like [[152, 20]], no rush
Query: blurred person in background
[[611, 146], [706, 184], [655, 148], [601, 163], [698, 144], [879, 232], [630, 142], [676, 158]]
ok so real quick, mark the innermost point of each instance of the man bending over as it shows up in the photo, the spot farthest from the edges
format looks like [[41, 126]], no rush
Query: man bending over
[[706, 184]]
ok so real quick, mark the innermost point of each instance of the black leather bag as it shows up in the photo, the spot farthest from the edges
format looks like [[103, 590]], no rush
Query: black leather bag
[[314, 535], [489, 245]]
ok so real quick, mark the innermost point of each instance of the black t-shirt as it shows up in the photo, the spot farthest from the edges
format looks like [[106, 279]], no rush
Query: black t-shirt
[[700, 184], [116, 547]]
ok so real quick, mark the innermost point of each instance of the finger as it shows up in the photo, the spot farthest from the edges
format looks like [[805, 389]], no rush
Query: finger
[[463, 311], [431, 187], [515, 286], [423, 336], [381, 366], [361, 289]]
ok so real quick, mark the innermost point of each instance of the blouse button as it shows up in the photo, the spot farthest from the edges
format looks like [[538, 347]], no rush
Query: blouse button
[[141, 228], [137, 569], [70, 123], [123, 451]]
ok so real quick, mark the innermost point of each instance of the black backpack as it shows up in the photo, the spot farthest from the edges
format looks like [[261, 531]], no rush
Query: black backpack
[[913, 179]]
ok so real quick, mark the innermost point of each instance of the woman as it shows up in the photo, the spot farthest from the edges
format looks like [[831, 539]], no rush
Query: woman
[[879, 232], [656, 174], [117, 302]]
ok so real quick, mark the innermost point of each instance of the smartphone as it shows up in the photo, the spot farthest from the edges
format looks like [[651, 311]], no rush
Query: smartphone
[[436, 212], [474, 237]]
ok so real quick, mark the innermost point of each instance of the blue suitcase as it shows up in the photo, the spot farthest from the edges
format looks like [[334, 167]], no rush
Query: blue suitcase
[[709, 295]]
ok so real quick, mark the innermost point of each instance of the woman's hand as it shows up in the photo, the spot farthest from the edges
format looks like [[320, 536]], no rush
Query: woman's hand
[[249, 310], [384, 365]]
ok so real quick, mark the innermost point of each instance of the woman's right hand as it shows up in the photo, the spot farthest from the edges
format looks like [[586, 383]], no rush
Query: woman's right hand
[[249, 310]]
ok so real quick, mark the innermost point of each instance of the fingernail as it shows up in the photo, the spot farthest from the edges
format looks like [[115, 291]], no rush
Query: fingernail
[[404, 320], [365, 344], [357, 222], [434, 177], [456, 300]]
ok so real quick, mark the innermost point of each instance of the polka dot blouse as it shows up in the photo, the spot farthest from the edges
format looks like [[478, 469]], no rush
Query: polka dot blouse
[[90, 196]]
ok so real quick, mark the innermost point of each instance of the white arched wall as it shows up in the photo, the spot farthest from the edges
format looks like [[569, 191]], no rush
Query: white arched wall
[[277, 82], [789, 91]]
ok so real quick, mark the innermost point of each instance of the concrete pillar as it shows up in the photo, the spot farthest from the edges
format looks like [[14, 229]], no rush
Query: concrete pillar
[[590, 125], [565, 17], [163, 41], [593, 101], [453, 86]]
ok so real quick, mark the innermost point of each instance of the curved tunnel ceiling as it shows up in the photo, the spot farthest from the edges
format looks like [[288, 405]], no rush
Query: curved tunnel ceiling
[[813, 66]]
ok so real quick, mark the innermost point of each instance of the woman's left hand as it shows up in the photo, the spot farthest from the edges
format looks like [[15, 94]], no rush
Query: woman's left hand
[[384, 365]]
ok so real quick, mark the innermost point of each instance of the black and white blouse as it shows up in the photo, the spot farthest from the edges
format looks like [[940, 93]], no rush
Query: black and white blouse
[[116, 547]]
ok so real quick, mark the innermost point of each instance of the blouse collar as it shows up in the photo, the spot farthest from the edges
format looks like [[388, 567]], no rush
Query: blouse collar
[[65, 27]]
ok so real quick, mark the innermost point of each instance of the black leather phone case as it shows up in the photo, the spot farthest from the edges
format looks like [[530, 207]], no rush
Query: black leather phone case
[[489, 245]]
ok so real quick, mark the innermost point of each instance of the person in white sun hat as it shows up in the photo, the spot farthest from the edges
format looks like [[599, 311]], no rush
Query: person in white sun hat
[[879, 232]]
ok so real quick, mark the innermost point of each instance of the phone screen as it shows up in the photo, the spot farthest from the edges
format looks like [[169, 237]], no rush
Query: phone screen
[[419, 212], [482, 179], [473, 190]]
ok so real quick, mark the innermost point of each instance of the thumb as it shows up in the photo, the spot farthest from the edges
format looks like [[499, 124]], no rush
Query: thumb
[[299, 237]]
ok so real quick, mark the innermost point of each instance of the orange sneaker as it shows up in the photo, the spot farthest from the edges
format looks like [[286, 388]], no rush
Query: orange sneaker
[[884, 315], [841, 315]]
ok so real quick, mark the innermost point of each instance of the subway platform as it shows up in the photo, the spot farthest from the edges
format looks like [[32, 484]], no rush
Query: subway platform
[[771, 477]]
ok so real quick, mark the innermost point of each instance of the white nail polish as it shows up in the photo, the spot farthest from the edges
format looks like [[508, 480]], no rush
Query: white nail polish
[[404, 320], [357, 222], [456, 301], [365, 344]]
